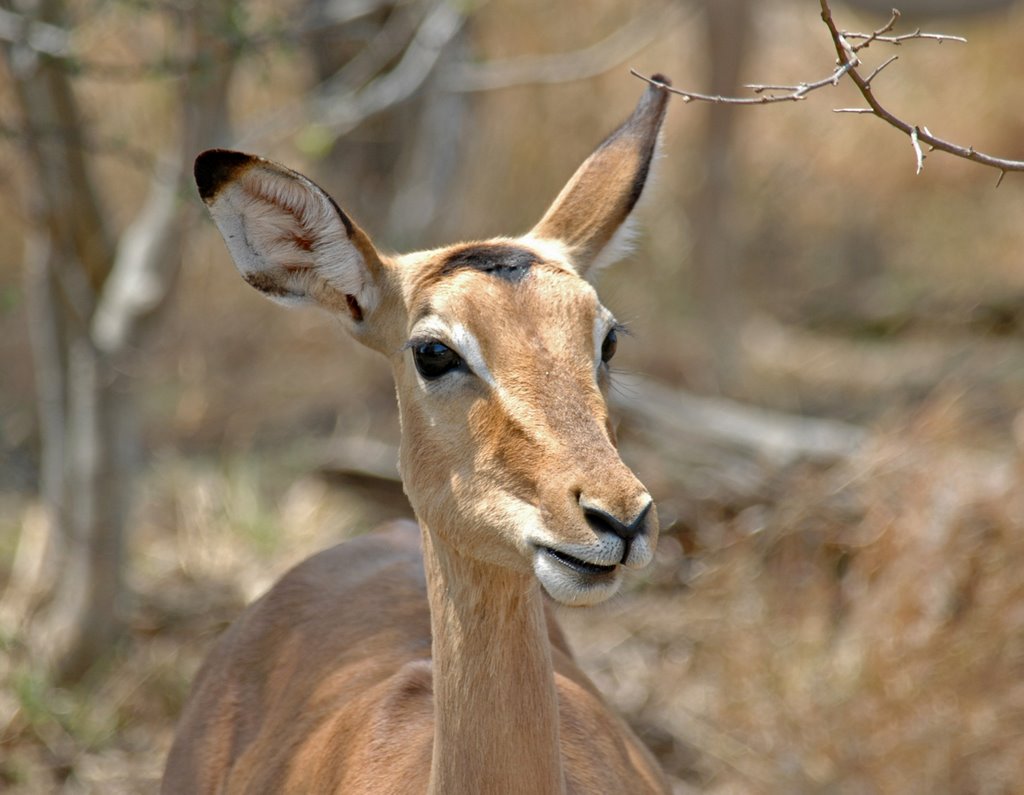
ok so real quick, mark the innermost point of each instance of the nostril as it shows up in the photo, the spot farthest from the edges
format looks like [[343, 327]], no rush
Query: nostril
[[602, 521], [639, 525]]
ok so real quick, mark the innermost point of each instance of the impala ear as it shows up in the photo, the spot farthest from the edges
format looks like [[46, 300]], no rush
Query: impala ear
[[287, 237], [590, 214]]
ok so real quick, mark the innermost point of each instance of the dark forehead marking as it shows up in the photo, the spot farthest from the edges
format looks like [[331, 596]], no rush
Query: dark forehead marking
[[504, 260]]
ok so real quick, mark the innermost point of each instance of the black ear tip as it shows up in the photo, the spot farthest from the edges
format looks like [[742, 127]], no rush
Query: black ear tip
[[214, 167], [654, 101]]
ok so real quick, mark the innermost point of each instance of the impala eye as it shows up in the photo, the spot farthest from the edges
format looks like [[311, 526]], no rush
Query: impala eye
[[611, 342], [434, 359]]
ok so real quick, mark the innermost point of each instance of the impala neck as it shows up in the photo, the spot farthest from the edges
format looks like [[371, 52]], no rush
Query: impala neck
[[495, 706]]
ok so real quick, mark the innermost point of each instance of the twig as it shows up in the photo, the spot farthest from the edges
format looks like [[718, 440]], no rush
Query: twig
[[439, 27], [793, 93], [847, 45], [914, 136], [898, 40], [875, 35], [917, 133], [341, 108], [879, 68], [564, 66]]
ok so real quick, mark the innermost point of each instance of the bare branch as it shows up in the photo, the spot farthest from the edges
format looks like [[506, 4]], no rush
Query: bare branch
[[383, 49], [565, 66], [876, 34], [916, 133], [848, 64], [148, 252], [879, 68], [144, 264], [341, 107], [363, 87], [917, 34], [439, 27], [793, 93], [898, 40]]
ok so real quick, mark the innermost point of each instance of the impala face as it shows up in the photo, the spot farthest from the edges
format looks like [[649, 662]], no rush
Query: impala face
[[506, 434], [500, 352]]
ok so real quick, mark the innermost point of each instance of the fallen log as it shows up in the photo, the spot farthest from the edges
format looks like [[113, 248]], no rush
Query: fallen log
[[709, 448]]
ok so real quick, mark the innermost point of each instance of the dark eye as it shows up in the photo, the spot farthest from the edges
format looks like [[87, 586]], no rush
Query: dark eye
[[434, 359], [611, 342]]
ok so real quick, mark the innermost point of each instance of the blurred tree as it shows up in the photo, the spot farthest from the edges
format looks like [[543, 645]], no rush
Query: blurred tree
[[407, 153], [90, 291], [93, 289], [717, 257], [716, 246]]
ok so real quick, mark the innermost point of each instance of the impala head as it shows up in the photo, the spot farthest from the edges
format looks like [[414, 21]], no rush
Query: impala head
[[500, 352]]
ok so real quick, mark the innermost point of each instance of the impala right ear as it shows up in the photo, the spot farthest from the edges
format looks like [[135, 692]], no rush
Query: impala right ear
[[591, 213], [287, 237]]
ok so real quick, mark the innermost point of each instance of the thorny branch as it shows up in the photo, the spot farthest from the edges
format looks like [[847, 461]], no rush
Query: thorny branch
[[848, 64]]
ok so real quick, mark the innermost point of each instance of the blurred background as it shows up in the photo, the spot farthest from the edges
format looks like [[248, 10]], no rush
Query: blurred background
[[822, 388]]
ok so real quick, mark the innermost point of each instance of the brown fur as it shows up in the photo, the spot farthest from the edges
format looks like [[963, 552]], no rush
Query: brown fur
[[320, 687], [424, 658]]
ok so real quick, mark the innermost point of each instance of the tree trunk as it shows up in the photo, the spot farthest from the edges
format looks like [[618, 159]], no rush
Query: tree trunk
[[69, 582], [716, 248], [71, 256], [88, 303], [83, 617]]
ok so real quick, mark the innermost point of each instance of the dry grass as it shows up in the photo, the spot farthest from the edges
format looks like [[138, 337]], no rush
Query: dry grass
[[861, 633], [209, 538]]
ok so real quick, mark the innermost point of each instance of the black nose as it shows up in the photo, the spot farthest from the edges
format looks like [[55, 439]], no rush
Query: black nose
[[602, 521]]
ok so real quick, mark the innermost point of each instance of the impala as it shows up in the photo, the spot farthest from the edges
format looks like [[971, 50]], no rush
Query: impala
[[424, 658]]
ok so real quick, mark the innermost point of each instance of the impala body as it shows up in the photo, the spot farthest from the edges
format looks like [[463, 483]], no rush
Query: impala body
[[423, 657]]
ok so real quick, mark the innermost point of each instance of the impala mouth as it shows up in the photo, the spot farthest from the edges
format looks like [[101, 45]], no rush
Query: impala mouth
[[577, 565], [572, 581]]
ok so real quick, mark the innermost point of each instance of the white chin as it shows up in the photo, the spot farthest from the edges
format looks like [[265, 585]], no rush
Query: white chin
[[573, 588]]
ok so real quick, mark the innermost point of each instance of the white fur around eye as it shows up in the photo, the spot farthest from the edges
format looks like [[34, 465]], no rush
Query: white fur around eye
[[461, 340], [603, 323]]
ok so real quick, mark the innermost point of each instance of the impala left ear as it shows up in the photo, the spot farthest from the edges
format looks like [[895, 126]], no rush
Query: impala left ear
[[590, 214], [288, 238]]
